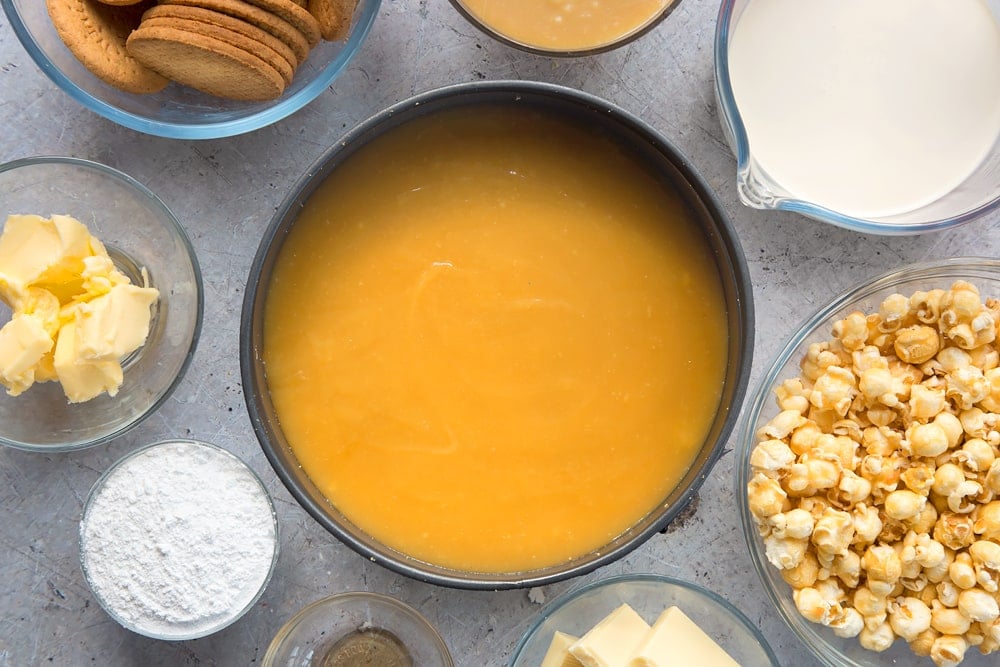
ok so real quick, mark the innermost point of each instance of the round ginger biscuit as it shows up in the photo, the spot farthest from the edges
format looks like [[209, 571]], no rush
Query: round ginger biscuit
[[333, 17], [206, 64], [261, 18], [229, 23], [272, 57], [95, 34], [294, 14]]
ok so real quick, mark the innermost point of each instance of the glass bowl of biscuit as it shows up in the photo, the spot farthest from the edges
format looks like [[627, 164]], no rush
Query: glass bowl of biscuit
[[100, 303], [868, 468], [192, 69]]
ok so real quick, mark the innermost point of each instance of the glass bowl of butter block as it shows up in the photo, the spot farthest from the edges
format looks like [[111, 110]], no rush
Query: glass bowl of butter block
[[83, 249], [628, 616], [358, 628]]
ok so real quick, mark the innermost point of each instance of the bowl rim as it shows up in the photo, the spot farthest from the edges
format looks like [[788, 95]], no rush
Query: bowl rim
[[731, 265], [174, 224], [735, 132], [762, 396], [572, 594], [624, 40], [98, 486], [347, 597], [278, 110]]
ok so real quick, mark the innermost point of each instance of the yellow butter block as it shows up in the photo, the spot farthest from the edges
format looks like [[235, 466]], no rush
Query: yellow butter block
[[558, 654], [677, 640], [612, 642], [75, 316], [23, 343]]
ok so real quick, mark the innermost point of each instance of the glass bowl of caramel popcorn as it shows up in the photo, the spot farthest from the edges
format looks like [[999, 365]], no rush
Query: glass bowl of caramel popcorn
[[869, 471]]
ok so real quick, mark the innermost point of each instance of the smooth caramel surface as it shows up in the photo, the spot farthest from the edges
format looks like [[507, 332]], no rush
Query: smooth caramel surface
[[493, 340], [565, 25]]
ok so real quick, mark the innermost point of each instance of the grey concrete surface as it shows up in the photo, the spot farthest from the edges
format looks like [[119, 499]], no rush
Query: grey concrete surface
[[225, 191]]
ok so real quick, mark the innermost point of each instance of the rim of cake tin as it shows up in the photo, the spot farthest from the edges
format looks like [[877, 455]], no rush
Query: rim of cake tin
[[155, 202], [213, 130], [762, 396], [736, 129], [730, 260], [624, 40], [95, 491], [289, 626], [571, 595]]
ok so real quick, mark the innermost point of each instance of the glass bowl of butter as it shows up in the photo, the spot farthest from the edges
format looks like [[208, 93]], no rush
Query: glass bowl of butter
[[648, 619], [100, 303]]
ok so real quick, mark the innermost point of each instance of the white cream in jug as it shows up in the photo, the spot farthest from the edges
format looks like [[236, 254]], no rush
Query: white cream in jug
[[868, 108]]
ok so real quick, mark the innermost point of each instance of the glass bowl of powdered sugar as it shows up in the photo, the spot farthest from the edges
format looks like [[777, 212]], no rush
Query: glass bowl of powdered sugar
[[178, 540]]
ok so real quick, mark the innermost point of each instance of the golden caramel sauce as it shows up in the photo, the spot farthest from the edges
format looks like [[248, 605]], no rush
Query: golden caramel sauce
[[494, 340], [565, 25]]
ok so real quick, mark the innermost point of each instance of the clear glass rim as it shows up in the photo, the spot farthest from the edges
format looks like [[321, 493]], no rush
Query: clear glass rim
[[339, 599], [571, 595], [733, 122], [98, 486], [206, 130], [761, 396], [627, 38], [176, 229]]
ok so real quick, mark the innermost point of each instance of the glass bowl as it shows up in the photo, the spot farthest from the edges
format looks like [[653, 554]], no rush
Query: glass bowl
[[190, 536], [977, 195], [306, 638], [178, 112], [580, 609], [139, 233], [634, 137], [828, 648], [507, 25]]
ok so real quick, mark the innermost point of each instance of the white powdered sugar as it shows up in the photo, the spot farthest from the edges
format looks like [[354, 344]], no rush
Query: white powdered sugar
[[178, 540]]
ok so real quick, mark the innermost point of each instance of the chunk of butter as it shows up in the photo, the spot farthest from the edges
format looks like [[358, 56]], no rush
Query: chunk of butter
[[612, 642], [83, 379], [677, 640], [558, 654], [75, 316], [45, 252], [23, 343], [110, 326]]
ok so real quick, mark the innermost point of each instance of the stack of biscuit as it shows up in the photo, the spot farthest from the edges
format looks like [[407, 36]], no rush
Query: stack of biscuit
[[236, 49]]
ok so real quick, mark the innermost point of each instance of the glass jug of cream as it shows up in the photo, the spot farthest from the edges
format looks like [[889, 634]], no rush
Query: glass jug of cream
[[877, 116]]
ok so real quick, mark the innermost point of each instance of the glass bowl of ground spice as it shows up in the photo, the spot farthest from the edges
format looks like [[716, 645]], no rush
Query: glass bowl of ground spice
[[178, 540], [358, 628]]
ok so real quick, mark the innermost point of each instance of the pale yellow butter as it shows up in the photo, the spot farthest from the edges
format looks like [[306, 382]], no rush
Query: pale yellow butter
[[83, 379], [75, 316], [44, 252], [677, 640], [23, 344], [612, 642], [558, 654], [113, 324]]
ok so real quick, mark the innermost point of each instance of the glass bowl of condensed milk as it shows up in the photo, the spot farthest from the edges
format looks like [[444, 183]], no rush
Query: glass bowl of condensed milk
[[565, 27], [879, 117]]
